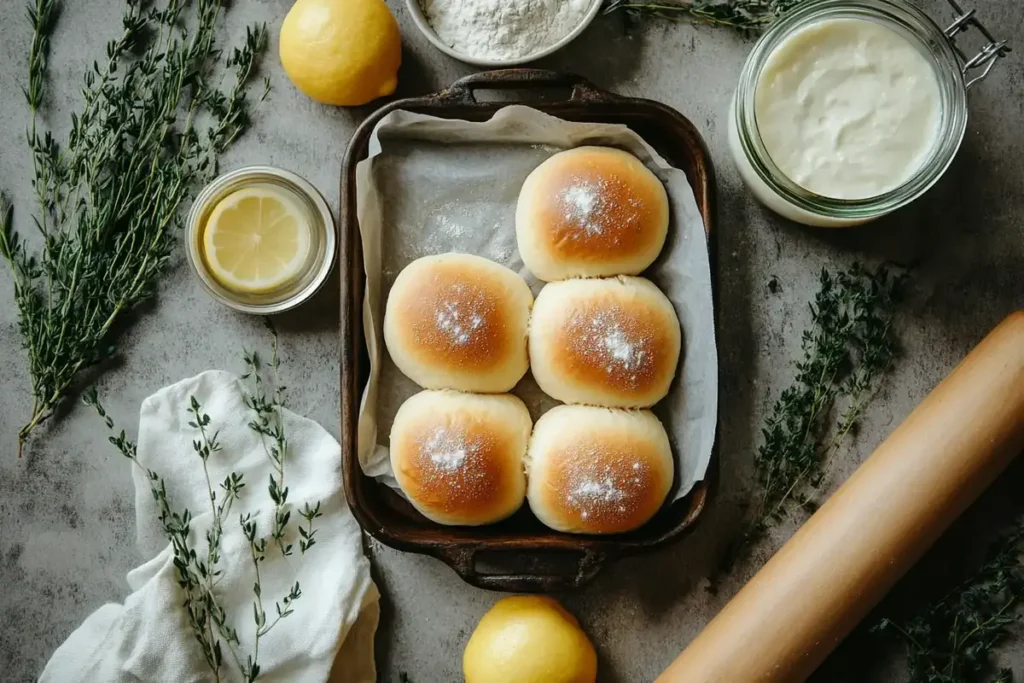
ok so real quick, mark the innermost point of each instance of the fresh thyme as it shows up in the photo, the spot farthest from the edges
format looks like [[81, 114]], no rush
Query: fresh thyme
[[846, 351], [952, 641], [151, 125], [264, 402], [198, 570], [743, 15], [267, 424]]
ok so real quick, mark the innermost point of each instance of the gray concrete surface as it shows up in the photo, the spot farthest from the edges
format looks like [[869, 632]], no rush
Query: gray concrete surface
[[66, 517]]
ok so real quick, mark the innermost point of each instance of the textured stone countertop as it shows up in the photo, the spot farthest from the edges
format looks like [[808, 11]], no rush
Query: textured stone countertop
[[66, 508]]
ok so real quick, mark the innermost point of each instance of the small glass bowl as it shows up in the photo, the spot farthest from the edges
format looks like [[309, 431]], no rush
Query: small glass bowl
[[322, 240], [785, 197]]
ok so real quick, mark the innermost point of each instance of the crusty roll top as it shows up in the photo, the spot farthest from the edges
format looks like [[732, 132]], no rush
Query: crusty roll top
[[459, 457], [611, 342], [591, 211], [459, 321], [597, 470]]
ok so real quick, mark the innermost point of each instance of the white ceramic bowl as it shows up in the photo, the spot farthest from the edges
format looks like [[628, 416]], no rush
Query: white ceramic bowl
[[424, 26]]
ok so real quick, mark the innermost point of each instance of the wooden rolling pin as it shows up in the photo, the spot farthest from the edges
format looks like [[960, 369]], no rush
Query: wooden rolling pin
[[810, 595]]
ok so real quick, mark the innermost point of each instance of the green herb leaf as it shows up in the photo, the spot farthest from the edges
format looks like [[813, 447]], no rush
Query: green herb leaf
[[846, 351], [197, 573], [953, 639], [110, 196], [744, 15]]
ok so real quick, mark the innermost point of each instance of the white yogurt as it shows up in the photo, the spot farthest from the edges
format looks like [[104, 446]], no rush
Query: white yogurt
[[847, 108]]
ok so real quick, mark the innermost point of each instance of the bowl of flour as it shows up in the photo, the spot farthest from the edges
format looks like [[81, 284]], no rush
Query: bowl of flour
[[499, 33]]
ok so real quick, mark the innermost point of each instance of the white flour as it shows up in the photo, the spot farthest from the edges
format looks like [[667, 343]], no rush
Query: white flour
[[503, 29]]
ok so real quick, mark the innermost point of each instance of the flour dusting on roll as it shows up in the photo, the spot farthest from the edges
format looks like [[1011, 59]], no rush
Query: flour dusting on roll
[[458, 321], [459, 457], [591, 212], [598, 470], [605, 342]]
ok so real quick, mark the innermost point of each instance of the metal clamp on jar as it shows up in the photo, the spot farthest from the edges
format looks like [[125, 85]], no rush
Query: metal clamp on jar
[[847, 110]]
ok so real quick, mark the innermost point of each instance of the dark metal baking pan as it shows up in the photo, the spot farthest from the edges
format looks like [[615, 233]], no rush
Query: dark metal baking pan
[[545, 560]]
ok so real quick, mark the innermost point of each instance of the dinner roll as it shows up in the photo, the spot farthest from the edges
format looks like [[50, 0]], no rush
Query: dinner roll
[[612, 342], [598, 470], [591, 212], [459, 457], [457, 321]]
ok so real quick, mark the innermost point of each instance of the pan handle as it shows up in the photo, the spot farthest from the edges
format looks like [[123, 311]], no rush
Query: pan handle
[[461, 91], [463, 560]]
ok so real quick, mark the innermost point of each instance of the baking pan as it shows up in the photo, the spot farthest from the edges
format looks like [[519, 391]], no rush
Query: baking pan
[[519, 554]]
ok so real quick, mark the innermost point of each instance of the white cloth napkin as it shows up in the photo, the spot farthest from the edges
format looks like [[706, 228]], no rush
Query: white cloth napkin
[[148, 638]]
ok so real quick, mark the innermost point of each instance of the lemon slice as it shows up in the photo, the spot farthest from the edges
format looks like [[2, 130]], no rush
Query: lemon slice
[[256, 240]]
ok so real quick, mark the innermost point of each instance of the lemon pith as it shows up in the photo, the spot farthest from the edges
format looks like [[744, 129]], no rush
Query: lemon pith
[[256, 240]]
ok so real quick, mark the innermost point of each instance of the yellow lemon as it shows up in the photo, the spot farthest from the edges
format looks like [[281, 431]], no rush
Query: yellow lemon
[[529, 639], [344, 52], [257, 239]]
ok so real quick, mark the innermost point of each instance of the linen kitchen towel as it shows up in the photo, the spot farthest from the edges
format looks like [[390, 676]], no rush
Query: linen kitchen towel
[[150, 638]]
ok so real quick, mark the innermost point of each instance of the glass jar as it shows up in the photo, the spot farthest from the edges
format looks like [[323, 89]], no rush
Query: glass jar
[[952, 67], [322, 239]]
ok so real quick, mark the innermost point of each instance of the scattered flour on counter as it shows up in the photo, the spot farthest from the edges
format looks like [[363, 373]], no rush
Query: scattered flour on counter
[[503, 29]]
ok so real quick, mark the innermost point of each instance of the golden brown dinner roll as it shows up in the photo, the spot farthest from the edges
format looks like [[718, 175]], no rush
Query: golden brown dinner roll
[[591, 212], [605, 342], [459, 457], [457, 321], [598, 470]]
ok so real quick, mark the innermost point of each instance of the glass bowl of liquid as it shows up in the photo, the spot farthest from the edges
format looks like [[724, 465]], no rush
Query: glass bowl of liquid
[[261, 239], [847, 110]]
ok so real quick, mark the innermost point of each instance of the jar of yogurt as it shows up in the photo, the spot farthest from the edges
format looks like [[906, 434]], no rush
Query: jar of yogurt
[[849, 109]]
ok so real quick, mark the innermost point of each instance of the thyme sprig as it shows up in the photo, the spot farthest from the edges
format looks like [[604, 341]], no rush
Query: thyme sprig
[[846, 351], [198, 570], [263, 400], [952, 640], [743, 15], [152, 122]]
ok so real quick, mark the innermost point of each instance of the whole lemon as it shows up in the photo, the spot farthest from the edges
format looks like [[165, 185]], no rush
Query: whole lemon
[[529, 639], [344, 52]]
